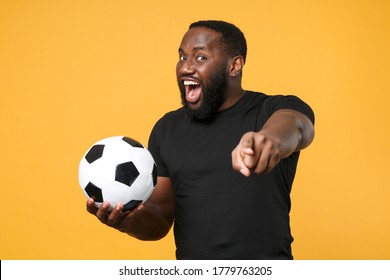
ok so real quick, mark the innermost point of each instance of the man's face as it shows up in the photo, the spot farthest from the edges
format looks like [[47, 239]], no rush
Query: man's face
[[202, 72]]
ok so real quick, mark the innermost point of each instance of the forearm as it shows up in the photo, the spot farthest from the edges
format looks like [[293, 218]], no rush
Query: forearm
[[148, 224], [292, 130]]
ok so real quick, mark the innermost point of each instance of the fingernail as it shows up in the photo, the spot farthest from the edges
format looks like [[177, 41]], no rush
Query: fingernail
[[245, 172]]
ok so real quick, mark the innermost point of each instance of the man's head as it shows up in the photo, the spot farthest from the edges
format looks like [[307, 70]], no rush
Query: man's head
[[233, 40], [211, 57]]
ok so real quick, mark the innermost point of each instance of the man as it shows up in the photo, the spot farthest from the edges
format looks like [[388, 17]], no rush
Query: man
[[226, 160]]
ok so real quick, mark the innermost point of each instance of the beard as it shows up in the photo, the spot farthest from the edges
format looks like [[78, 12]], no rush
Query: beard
[[213, 96]]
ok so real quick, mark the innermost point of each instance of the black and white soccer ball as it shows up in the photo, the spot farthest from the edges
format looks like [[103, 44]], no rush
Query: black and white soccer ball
[[118, 170]]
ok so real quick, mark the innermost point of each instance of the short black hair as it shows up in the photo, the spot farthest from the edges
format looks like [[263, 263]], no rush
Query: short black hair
[[233, 39]]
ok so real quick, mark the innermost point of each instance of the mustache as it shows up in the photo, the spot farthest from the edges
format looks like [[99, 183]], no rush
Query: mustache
[[184, 77]]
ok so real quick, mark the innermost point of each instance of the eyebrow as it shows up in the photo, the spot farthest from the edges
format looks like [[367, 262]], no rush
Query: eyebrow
[[195, 48]]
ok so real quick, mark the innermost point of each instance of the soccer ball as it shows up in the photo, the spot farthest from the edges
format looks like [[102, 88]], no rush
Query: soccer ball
[[118, 170]]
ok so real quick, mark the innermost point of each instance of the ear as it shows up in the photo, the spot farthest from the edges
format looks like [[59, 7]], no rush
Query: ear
[[236, 65]]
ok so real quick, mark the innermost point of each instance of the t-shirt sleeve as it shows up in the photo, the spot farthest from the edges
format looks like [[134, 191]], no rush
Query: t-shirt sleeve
[[154, 146], [278, 102]]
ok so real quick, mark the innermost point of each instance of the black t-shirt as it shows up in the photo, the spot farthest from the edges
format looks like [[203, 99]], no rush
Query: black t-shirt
[[219, 213]]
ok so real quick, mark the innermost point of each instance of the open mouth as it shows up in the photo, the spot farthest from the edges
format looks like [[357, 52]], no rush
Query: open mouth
[[193, 91]]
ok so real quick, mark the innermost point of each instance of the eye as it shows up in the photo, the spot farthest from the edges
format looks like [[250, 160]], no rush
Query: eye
[[182, 57], [201, 58]]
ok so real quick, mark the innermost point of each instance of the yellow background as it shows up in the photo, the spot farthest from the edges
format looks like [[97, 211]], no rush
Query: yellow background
[[73, 72]]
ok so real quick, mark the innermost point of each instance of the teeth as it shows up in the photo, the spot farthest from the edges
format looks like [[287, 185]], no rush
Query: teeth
[[190, 83]]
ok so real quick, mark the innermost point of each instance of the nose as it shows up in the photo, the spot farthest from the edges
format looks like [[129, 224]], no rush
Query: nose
[[185, 67]]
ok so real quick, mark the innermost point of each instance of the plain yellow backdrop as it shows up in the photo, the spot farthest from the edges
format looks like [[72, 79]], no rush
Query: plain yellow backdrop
[[74, 72]]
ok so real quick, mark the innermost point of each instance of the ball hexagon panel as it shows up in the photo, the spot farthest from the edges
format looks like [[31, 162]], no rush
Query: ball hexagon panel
[[84, 173], [143, 160], [117, 151], [143, 180], [101, 172], [117, 192]]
